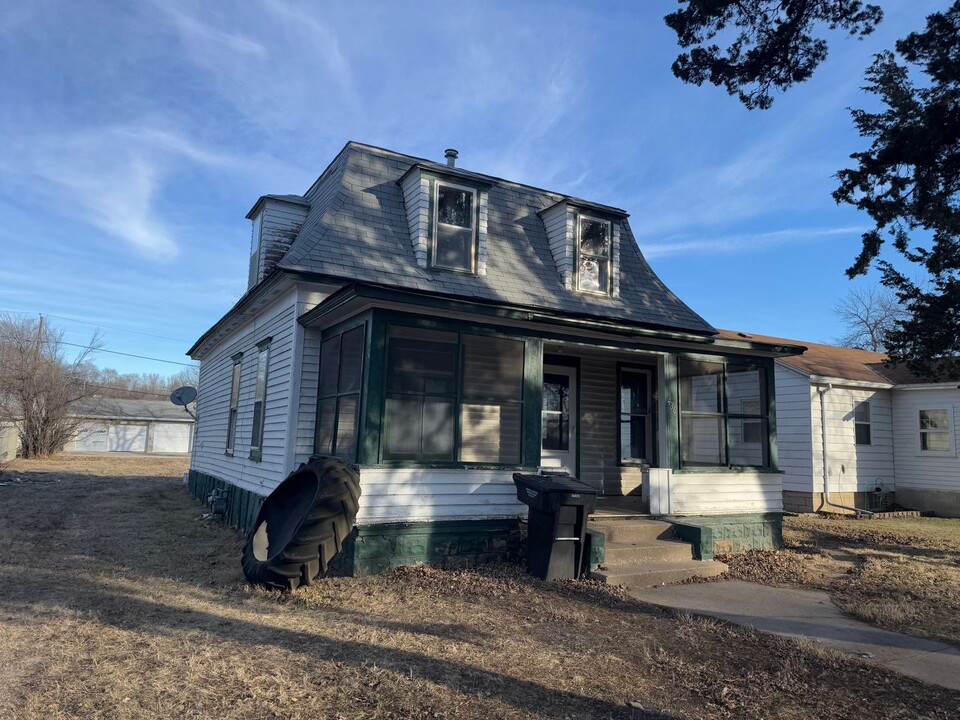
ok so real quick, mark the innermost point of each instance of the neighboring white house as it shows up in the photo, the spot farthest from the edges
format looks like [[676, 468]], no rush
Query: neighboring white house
[[137, 426], [891, 436]]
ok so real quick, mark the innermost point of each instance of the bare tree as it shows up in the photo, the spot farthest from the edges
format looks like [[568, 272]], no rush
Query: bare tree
[[869, 315], [38, 383]]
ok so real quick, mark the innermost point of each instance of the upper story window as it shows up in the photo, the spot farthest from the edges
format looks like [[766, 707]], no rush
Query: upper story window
[[935, 431], [594, 245], [234, 402], [861, 423], [455, 228], [260, 400]]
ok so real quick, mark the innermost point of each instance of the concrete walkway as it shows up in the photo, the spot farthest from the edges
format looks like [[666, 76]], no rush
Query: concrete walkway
[[811, 614]]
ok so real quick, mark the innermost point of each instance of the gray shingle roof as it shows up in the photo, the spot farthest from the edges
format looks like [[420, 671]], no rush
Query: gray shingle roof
[[357, 230]]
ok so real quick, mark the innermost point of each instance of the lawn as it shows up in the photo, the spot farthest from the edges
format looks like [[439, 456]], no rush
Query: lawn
[[902, 574], [118, 600]]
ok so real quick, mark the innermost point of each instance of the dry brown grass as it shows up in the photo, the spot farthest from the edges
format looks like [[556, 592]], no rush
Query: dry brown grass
[[902, 574], [118, 601]]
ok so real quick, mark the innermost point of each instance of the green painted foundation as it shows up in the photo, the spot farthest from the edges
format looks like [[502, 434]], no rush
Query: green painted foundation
[[242, 505], [729, 534], [372, 549]]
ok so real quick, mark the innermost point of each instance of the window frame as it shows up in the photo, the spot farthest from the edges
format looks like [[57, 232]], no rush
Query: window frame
[[435, 225], [651, 416], [233, 408], [260, 396], [580, 217], [459, 398], [339, 393], [765, 418], [949, 432], [868, 423]]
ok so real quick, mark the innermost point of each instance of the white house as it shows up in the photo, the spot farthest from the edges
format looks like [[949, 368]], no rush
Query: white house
[[443, 329], [890, 435]]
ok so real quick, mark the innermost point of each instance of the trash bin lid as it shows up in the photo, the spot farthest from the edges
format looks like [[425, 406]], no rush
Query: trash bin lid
[[554, 483]]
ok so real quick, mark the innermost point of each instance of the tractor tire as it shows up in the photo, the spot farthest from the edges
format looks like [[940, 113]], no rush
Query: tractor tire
[[302, 525]]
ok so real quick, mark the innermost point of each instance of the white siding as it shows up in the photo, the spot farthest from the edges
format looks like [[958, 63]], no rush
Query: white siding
[[853, 468], [213, 402], [416, 200], [281, 221], [395, 495], [724, 493], [558, 223], [794, 424], [914, 468]]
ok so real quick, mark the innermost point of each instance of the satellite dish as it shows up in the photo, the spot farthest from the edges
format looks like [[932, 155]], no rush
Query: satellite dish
[[183, 396]]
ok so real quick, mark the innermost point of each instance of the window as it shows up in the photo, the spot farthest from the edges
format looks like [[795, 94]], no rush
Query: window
[[635, 416], [934, 431], [594, 241], [453, 397], [861, 423], [259, 400], [338, 409], [454, 236], [555, 413], [723, 415], [234, 402]]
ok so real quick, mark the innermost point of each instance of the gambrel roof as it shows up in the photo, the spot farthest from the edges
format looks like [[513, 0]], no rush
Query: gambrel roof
[[357, 230]]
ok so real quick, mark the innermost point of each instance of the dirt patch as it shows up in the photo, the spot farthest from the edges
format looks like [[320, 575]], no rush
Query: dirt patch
[[118, 601], [902, 574]]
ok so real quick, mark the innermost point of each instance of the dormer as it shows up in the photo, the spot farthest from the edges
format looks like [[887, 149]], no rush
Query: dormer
[[584, 240], [276, 220], [447, 216]]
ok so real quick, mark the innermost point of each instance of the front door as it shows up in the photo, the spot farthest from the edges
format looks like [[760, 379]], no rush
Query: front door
[[558, 446]]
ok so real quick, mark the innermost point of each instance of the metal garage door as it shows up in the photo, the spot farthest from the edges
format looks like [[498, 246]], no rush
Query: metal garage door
[[171, 438], [127, 438], [91, 437]]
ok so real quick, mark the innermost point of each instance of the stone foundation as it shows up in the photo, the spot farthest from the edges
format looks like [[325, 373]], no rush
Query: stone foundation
[[804, 502], [242, 505], [729, 534], [944, 503]]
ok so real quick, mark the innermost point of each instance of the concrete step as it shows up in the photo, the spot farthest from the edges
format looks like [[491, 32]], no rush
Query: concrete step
[[620, 553], [652, 574], [632, 531]]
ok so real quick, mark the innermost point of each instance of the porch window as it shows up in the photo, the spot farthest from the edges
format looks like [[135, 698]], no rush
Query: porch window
[[453, 397], [260, 400], [635, 416], [454, 227], [594, 244], [935, 431], [723, 415], [555, 413], [338, 410]]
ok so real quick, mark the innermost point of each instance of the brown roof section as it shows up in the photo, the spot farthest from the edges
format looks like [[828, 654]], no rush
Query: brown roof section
[[900, 374], [824, 360]]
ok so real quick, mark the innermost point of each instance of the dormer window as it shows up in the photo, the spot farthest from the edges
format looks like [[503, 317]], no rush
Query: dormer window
[[455, 228], [594, 243]]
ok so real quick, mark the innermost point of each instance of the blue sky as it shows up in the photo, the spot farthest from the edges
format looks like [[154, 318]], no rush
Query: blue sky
[[134, 138]]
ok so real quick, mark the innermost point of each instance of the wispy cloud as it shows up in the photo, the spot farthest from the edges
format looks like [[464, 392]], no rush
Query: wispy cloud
[[746, 242], [108, 177]]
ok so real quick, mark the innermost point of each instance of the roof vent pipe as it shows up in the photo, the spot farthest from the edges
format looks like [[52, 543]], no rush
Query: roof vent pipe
[[451, 155]]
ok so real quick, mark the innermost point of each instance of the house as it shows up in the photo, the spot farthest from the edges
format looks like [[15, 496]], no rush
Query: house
[[891, 435], [442, 329], [138, 426]]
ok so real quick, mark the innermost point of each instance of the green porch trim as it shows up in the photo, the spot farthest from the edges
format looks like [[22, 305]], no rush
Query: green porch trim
[[243, 506], [373, 391], [729, 534], [532, 402], [372, 549], [671, 420]]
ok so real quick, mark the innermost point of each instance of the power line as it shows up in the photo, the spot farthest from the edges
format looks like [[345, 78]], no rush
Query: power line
[[96, 325], [117, 352]]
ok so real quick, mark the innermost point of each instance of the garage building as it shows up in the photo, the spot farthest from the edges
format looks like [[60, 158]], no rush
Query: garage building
[[134, 426]]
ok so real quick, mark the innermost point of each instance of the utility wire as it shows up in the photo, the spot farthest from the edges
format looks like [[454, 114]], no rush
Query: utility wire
[[117, 352], [97, 325]]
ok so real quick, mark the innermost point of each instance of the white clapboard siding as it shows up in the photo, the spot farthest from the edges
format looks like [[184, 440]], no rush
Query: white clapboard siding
[[916, 469], [725, 493], [416, 200], [213, 402], [853, 468], [558, 224], [280, 223], [794, 425], [398, 495]]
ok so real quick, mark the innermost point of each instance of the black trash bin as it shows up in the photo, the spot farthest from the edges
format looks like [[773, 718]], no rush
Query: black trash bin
[[559, 507]]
